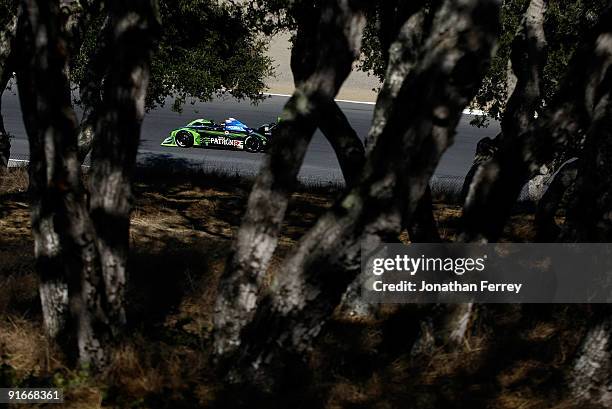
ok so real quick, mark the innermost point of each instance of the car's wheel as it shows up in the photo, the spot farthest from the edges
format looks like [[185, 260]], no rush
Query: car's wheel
[[252, 144], [184, 139]]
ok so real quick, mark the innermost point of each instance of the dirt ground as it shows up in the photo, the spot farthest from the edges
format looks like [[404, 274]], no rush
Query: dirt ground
[[514, 357]]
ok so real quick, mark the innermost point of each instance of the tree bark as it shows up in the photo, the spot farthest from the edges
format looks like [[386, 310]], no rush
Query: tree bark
[[590, 378], [404, 26], [90, 90], [87, 131], [347, 145], [419, 127], [547, 230], [423, 228], [392, 16], [66, 257], [487, 205], [134, 26], [326, 45], [7, 35], [78, 15], [398, 41], [444, 326], [588, 216], [402, 53], [485, 151], [494, 167], [402, 57]]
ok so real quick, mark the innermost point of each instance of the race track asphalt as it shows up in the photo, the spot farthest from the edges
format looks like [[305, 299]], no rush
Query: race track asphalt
[[320, 164]]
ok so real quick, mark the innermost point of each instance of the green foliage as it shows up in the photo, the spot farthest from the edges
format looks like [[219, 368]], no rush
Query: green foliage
[[78, 62], [383, 19], [207, 48], [372, 60], [273, 16], [493, 91], [72, 379]]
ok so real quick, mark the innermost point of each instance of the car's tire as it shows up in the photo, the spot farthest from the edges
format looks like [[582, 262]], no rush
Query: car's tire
[[184, 139], [252, 144]]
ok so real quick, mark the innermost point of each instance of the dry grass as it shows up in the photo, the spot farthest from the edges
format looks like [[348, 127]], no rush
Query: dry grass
[[181, 233], [15, 180]]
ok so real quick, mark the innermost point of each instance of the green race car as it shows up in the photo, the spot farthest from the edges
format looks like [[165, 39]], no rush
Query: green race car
[[232, 134]]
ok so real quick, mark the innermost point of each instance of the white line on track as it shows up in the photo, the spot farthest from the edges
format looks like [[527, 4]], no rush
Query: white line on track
[[477, 112], [337, 100]]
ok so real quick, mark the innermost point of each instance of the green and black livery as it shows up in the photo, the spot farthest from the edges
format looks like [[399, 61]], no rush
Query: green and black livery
[[232, 134]]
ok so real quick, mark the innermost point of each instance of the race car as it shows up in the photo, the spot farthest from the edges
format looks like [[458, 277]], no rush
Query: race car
[[231, 134]]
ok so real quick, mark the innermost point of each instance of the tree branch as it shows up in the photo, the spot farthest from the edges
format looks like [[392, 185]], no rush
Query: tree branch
[[344, 140]]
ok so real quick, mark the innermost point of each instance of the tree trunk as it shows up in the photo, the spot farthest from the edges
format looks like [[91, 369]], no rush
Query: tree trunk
[[547, 229], [496, 169], [347, 146], [65, 251], [87, 131], [588, 220], [485, 151], [588, 216], [78, 17], [90, 90], [392, 16], [423, 228], [134, 25], [321, 60], [313, 278], [402, 42], [402, 57], [591, 380], [7, 35], [487, 202]]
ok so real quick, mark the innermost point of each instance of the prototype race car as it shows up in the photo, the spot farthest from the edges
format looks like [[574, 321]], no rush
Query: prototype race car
[[232, 134]]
